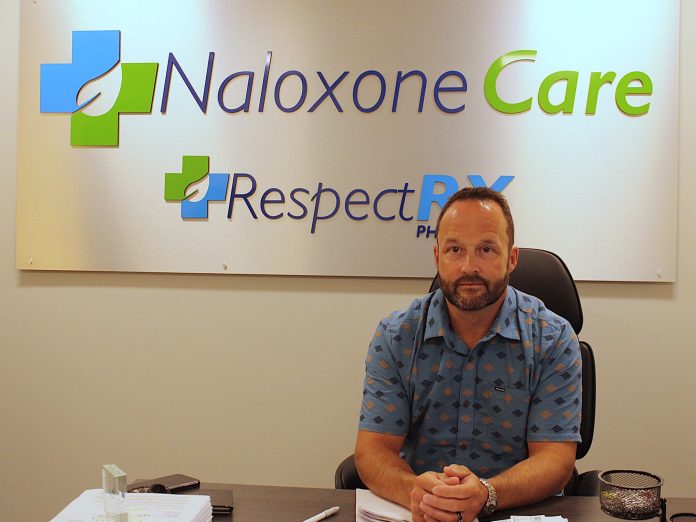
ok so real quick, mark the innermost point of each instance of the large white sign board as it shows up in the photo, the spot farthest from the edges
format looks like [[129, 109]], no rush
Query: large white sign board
[[315, 137]]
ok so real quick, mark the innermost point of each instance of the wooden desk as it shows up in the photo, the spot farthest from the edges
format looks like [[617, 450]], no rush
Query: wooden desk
[[285, 504], [586, 509]]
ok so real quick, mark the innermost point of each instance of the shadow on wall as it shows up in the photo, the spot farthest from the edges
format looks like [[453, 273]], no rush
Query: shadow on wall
[[309, 284], [224, 282], [626, 290]]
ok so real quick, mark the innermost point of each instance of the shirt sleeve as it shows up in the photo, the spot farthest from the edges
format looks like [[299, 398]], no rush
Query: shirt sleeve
[[385, 406], [556, 404]]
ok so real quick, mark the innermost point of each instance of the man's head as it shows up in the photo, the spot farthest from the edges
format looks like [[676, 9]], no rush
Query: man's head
[[474, 250], [482, 194]]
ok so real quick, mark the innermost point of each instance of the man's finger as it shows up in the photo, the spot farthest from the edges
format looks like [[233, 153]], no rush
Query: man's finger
[[447, 509], [451, 505], [455, 470], [462, 491], [427, 481], [433, 513]]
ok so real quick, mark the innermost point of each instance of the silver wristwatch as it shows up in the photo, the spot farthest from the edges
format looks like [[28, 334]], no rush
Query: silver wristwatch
[[492, 502]]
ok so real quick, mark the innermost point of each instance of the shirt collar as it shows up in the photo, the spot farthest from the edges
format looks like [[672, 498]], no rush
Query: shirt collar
[[438, 322], [506, 323]]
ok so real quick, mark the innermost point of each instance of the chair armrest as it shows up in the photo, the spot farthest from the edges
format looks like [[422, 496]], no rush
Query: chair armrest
[[346, 476]]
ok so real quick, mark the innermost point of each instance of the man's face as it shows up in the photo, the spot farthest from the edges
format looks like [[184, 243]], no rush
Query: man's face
[[472, 254]]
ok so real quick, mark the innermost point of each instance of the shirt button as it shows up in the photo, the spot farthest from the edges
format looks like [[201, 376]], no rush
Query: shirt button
[[463, 445]]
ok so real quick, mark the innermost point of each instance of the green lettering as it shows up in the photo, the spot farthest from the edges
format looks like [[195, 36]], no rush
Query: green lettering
[[566, 106], [624, 89], [597, 79], [490, 88]]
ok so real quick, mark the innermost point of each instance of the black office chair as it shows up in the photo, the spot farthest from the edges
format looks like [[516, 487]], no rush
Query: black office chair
[[544, 275]]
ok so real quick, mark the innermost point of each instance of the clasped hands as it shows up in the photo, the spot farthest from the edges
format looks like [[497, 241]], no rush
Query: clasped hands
[[453, 495]]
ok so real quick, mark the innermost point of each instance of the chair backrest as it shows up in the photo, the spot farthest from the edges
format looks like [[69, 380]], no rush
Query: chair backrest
[[544, 275]]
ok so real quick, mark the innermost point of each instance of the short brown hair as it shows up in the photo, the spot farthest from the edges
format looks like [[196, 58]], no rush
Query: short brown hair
[[481, 194]]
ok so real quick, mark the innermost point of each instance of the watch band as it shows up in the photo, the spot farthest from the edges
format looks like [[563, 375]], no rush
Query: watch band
[[492, 502]]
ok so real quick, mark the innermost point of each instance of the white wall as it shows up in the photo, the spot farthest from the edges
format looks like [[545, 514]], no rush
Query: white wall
[[258, 379]]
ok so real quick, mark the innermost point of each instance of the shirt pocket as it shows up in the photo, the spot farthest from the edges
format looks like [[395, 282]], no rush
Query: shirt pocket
[[504, 414]]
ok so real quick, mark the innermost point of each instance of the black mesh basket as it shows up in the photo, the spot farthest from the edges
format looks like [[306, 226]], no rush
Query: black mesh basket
[[683, 517], [633, 495]]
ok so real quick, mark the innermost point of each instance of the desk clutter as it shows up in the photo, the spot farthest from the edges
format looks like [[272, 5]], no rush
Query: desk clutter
[[372, 508], [221, 500], [635, 495], [629, 494], [174, 498], [140, 507], [180, 498]]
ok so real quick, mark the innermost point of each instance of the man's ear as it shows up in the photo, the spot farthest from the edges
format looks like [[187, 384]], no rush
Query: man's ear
[[436, 254], [513, 258]]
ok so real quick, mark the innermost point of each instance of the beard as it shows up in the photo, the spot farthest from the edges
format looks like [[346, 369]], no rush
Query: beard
[[471, 303]]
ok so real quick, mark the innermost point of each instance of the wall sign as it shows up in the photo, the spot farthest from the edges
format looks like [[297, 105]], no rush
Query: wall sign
[[315, 138]]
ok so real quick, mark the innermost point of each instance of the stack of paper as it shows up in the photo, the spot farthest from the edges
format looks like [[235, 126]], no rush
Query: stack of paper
[[142, 507], [372, 508], [534, 518]]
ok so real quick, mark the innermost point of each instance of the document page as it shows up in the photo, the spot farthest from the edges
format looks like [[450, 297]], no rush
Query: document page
[[372, 508], [142, 507]]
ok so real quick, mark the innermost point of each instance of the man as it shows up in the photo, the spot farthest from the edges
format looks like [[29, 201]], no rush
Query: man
[[472, 394]]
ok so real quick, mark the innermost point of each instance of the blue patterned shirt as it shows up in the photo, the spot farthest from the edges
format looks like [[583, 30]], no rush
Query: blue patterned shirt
[[478, 407]]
